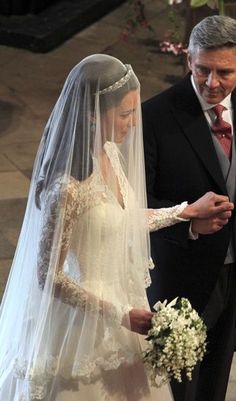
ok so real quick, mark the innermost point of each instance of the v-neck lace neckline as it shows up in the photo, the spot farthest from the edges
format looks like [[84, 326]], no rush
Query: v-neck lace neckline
[[113, 156]]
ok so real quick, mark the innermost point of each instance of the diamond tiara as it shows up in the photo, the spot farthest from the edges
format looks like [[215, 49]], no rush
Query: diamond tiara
[[120, 83]]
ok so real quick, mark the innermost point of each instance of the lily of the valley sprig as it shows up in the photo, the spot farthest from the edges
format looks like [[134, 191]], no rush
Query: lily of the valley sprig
[[175, 343], [171, 2]]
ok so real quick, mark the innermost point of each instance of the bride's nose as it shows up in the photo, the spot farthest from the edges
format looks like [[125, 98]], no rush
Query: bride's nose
[[132, 120]]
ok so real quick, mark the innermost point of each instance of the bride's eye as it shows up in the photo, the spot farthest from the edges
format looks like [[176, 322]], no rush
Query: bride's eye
[[127, 114]]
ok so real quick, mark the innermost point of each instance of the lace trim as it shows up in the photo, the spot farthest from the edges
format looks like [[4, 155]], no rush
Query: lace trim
[[112, 152], [120, 83], [93, 192], [165, 217], [147, 277], [41, 376], [76, 296]]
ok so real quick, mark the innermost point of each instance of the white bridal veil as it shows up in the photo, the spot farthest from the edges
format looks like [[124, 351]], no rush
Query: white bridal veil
[[83, 251]]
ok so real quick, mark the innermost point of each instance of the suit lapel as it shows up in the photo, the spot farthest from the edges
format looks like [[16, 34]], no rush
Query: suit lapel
[[190, 117]]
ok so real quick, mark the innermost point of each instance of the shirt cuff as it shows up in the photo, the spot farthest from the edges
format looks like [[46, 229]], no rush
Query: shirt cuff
[[181, 207], [191, 235]]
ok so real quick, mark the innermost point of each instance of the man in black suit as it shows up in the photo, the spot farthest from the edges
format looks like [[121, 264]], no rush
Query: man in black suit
[[185, 158]]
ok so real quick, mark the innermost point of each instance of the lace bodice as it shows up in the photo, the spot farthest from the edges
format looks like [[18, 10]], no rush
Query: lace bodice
[[74, 200]]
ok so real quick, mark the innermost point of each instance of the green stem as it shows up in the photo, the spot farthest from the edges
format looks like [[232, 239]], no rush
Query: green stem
[[221, 7]]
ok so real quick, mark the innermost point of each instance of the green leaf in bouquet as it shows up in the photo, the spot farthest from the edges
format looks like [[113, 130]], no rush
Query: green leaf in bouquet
[[198, 3]]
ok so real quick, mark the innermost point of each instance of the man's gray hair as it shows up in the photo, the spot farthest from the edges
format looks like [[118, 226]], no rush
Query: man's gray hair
[[213, 32]]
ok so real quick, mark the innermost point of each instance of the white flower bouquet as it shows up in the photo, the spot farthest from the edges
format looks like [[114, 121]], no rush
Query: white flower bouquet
[[176, 341]]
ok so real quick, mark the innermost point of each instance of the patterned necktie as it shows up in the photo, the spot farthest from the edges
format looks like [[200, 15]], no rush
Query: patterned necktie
[[222, 130]]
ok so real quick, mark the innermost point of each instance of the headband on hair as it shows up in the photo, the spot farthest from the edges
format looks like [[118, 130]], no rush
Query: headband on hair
[[120, 83]]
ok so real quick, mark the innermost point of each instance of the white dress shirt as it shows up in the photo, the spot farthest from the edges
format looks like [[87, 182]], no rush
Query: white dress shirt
[[211, 117]]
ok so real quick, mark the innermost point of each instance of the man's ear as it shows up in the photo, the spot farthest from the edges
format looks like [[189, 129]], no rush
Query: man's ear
[[189, 60]]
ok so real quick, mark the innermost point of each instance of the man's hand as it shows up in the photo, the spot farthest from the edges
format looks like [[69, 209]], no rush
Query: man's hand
[[209, 205], [139, 321], [210, 225]]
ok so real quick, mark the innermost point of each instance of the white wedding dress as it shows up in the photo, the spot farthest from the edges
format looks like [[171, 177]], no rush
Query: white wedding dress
[[126, 380], [88, 360]]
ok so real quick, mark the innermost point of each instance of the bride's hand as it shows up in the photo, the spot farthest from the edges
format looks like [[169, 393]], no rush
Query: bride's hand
[[207, 206], [139, 320]]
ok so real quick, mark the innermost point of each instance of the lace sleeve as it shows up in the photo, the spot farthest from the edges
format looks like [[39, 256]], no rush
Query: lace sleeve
[[66, 203], [165, 217], [58, 205]]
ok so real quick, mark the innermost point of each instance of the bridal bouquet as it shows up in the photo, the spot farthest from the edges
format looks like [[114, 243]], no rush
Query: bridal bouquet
[[176, 341]]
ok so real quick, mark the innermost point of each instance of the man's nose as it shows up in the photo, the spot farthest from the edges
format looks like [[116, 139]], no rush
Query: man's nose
[[212, 80]]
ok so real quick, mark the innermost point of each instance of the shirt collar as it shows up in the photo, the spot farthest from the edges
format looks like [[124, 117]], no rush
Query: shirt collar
[[226, 102]]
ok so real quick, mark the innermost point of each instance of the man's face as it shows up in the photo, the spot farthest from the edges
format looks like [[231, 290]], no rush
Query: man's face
[[214, 72]]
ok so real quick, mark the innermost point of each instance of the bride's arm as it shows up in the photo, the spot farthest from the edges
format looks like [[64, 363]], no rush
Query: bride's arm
[[165, 217]]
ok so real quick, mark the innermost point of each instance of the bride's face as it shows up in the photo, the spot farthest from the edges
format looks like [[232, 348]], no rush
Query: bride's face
[[116, 122]]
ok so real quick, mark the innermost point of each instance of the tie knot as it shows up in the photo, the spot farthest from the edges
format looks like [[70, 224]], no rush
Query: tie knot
[[218, 110]]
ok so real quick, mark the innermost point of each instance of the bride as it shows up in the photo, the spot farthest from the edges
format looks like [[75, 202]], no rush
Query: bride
[[75, 310]]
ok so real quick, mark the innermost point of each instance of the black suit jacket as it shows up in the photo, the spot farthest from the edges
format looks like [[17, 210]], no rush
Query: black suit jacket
[[181, 164]]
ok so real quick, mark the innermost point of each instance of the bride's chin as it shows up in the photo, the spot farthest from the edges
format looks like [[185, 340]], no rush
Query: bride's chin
[[119, 140]]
